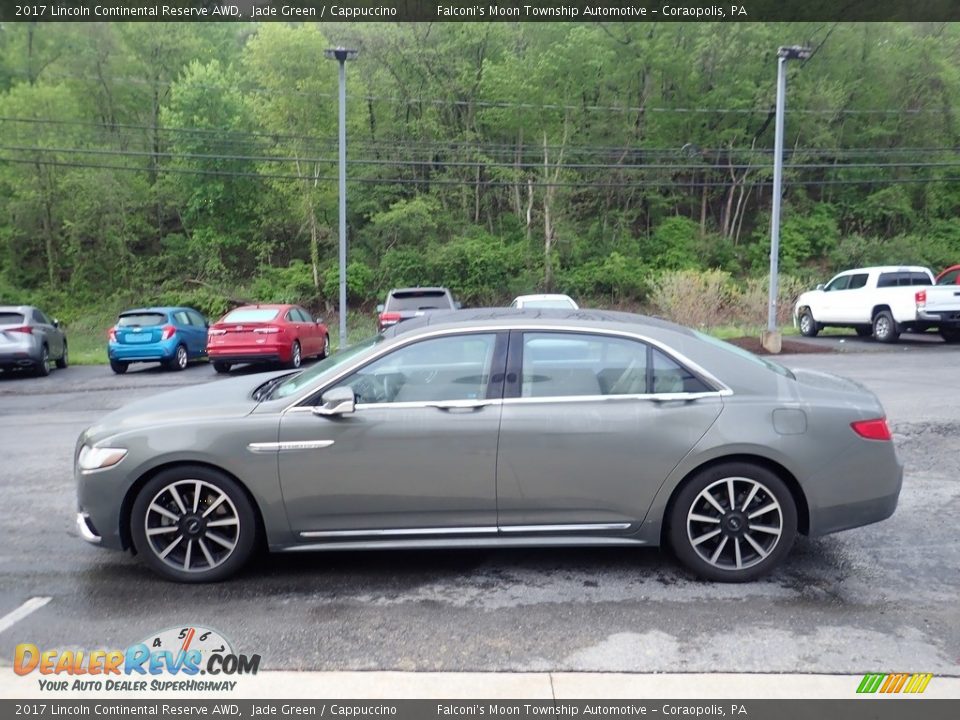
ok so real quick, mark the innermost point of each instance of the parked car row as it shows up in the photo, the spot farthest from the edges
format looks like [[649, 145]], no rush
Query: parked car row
[[884, 302], [173, 336]]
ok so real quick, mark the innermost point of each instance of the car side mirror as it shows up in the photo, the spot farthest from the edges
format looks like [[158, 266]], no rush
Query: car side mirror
[[56, 323], [338, 401], [458, 305], [318, 320], [820, 286], [379, 308]]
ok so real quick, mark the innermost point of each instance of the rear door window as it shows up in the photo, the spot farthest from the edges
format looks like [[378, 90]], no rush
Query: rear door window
[[858, 281], [182, 317]]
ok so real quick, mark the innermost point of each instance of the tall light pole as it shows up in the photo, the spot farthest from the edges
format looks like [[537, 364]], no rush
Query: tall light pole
[[771, 338], [341, 55]]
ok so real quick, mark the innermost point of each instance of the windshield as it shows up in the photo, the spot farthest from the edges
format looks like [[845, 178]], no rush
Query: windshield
[[308, 377], [730, 347]]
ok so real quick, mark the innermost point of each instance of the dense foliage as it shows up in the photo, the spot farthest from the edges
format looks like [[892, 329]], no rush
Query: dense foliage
[[162, 162]]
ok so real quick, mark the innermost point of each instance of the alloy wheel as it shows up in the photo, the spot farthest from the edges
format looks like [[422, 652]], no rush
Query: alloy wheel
[[734, 523], [192, 526]]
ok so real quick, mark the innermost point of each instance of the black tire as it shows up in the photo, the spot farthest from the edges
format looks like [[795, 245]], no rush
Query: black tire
[[179, 361], [191, 528], [808, 326], [118, 366], [864, 331], [733, 526], [43, 367], [64, 358], [326, 347], [885, 328], [221, 367], [950, 334], [296, 358]]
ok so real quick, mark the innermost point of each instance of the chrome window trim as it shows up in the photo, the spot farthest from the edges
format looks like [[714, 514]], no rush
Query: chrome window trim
[[723, 390]]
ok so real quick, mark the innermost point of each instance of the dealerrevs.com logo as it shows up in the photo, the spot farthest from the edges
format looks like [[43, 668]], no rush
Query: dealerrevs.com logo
[[171, 660]]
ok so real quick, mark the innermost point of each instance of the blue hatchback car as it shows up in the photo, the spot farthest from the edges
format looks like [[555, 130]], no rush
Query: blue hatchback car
[[172, 336]]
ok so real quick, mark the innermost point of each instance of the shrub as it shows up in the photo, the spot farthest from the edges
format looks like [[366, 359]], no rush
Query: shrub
[[695, 298]]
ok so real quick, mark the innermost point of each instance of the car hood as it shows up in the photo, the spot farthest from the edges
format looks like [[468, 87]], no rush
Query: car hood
[[221, 399]]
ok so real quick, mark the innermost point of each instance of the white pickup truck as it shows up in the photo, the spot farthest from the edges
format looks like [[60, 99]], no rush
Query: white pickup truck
[[883, 302]]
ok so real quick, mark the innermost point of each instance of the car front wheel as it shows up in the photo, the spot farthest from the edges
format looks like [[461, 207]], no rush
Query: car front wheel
[[326, 347], [950, 334], [64, 359], [808, 326], [733, 522], [193, 524]]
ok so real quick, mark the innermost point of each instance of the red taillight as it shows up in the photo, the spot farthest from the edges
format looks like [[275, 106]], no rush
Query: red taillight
[[389, 318], [920, 297], [168, 332], [267, 330], [23, 328], [876, 429], [112, 334]]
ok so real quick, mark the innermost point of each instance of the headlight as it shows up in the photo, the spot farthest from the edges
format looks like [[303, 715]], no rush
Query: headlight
[[99, 458]]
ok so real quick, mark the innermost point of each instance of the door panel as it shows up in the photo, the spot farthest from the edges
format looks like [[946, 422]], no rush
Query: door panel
[[420, 450]]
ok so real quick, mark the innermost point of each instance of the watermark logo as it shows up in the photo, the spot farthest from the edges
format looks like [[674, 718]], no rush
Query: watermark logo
[[888, 683], [168, 660]]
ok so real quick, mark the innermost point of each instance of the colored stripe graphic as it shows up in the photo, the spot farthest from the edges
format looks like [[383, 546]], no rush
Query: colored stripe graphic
[[888, 683]]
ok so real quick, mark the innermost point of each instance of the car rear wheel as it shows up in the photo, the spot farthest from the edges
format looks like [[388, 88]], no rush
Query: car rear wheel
[[950, 335], [885, 327], [180, 359], [193, 524], [43, 367], [326, 347], [733, 522], [808, 326], [295, 357], [118, 367], [65, 358], [221, 367]]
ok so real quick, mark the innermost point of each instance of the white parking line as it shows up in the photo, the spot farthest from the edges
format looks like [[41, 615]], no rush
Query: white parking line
[[11, 618]]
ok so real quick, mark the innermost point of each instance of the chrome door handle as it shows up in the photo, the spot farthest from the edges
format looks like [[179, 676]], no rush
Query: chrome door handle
[[458, 404]]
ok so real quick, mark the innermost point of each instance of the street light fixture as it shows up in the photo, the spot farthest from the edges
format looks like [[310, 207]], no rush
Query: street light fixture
[[771, 339], [341, 55]]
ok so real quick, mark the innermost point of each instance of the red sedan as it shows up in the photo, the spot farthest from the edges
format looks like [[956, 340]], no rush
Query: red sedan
[[266, 333]]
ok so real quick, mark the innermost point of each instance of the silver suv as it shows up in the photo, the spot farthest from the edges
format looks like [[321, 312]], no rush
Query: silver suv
[[406, 303], [29, 339]]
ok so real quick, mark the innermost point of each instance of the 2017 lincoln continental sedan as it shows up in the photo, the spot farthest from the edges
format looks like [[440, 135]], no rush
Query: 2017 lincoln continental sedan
[[494, 428]]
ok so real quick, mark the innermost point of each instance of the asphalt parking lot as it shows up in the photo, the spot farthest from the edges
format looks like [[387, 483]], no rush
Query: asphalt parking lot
[[882, 598]]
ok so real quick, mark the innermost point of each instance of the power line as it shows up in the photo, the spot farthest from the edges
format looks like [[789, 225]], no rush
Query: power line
[[669, 184]]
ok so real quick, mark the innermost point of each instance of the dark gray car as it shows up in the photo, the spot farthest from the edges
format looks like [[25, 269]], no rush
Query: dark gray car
[[29, 339], [495, 428]]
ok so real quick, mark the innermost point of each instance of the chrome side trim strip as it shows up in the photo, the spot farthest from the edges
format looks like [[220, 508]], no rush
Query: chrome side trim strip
[[272, 447], [582, 527], [400, 531]]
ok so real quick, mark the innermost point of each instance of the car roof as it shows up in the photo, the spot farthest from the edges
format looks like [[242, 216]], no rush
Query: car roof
[[155, 309], [17, 308], [543, 296], [546, 318], [263, 306], [888, 268]]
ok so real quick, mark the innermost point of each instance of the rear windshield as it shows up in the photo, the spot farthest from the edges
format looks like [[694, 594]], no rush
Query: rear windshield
[[562, 304], [9, 318], [141, 319], [250, 315], [418, 300], [899, 279]]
